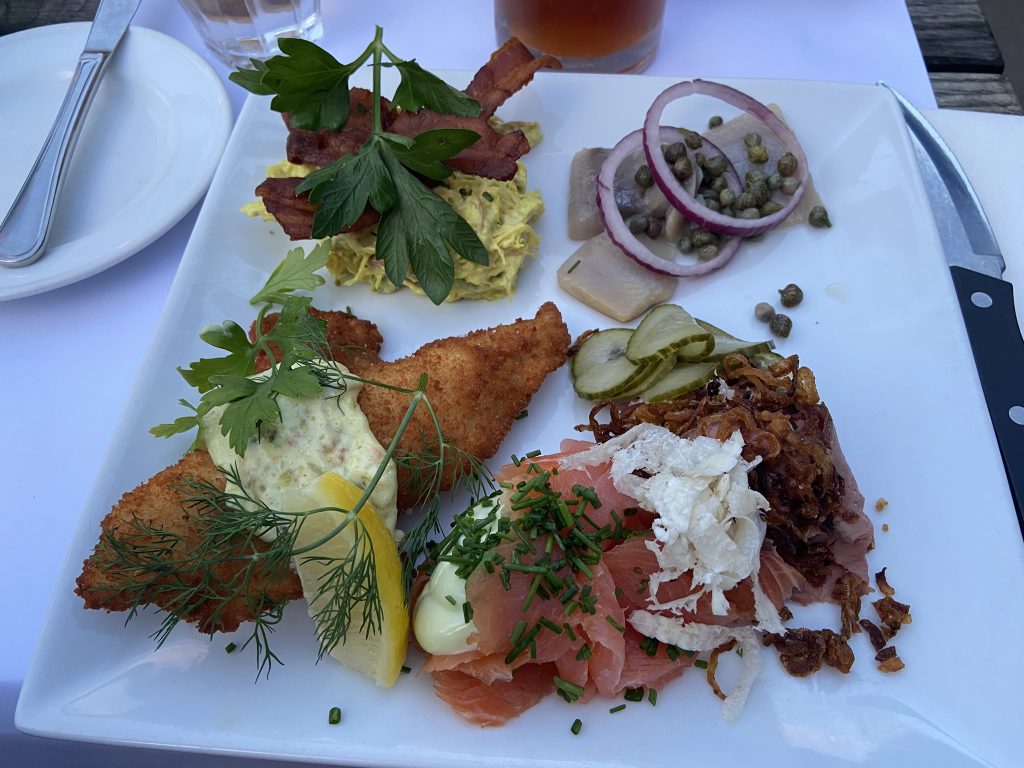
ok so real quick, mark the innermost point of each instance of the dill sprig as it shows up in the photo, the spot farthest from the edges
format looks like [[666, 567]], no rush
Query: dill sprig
[[241, 541]]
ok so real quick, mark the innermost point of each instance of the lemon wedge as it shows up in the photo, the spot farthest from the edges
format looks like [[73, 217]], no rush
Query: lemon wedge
[[379, 655]]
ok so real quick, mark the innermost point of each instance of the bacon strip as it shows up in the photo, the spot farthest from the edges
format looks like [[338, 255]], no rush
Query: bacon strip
[[324, 147], [510, 68], [295, 213]]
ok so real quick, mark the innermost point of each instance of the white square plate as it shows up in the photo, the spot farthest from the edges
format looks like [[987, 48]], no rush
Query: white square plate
[[880, 328]]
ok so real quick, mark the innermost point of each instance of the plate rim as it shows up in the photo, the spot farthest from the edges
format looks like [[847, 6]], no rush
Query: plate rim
[[221, 125]]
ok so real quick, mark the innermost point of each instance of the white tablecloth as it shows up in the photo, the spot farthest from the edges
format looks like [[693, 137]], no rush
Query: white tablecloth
[[69, 357]]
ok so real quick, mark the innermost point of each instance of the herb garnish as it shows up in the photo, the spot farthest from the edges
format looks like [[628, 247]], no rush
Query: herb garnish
[[417, 229], [234, 522]]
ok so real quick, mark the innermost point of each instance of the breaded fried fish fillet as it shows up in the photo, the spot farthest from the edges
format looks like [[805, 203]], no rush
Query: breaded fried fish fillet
[[477, 385]]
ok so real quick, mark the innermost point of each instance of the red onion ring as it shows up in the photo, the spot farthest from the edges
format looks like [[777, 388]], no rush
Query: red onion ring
[[619, 232], [678, 196]]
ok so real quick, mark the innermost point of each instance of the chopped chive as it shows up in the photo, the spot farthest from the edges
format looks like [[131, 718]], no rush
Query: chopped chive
[[549, 624], [652, 696], [406, 670], [577, 726], [619, 708], [700, 664], [570, 608], [568, 691], [532, 454], [614, 623], [230, 648], [523, 414], [573, 267], [465, 192], [630, 511], [517, 631], [334, 716], [487, 196], [348, 309], [672, 652], [583, 653], [451, 599], [618, 592], [467, 612], [634, 694], [739, 652], [568, 632]]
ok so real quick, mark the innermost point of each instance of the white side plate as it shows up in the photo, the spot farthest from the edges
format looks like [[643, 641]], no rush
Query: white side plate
[[880, 328], [150, 144]]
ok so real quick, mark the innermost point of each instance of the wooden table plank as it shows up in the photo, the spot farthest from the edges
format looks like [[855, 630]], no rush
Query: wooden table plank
[[975, 91], [16, 15], [955, 36]]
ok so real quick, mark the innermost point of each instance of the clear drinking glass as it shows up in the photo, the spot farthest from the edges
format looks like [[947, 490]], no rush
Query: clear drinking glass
[[239, 30], [586, 35]]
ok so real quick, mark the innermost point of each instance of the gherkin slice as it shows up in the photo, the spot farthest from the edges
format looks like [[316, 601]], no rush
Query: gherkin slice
[[727, 344], [600, 368], [680, 380], [658, 371], [669, 330]]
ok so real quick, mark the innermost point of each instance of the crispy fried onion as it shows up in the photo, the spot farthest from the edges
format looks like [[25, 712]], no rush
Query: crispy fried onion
[[713, 667], [803, 651], [782, 420]]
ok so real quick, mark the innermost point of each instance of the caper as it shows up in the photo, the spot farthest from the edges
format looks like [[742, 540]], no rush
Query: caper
[[654, 227], [787, 164], [718, 184], [715, 121], [790, 185], [760, 192], [769, 207], [674, 151], [726, 197], [764, 311], [682, 168], [791, 295], [707, 252], [699, 158], [745, 200], [637, 224], [692, 139], [780, 325], [712, 205], [715, 166], [749, 213], [757, 154], [685, 245], [818, 217], [752, 139], [774, 181], [701, 237], [753, 176], [643, 178], [728, 210]]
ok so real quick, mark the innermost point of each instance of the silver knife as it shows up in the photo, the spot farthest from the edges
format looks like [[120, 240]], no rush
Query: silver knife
[[24, 230], [986, 300]]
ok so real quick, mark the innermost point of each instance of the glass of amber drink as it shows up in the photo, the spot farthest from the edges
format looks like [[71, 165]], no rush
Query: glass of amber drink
[[586, 35]]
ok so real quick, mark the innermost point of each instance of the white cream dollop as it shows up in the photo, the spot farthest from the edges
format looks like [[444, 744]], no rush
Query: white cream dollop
[[440, 623]]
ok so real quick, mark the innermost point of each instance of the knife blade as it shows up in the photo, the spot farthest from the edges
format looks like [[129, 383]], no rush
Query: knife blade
[[986, 300], [26, 226]]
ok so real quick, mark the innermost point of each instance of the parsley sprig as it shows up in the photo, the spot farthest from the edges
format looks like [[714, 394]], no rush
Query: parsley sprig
[[417, 229]]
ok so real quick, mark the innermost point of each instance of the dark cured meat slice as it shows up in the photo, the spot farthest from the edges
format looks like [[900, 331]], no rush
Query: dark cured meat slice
[[510, 68], [493, 156], [295, 213], [324, 147]]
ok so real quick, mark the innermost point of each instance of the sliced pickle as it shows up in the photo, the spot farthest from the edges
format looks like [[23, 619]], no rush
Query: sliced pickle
[[669, 330], [658, 371], [680, 380], [765, 359], [600, 368], [727, 344]]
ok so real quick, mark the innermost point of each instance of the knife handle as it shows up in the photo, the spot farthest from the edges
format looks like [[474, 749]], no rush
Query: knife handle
[[27, 225], [991, 319]]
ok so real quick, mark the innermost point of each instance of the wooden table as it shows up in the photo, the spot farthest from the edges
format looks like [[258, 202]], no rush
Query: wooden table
[[961, 54], [963, 59]]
